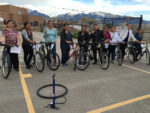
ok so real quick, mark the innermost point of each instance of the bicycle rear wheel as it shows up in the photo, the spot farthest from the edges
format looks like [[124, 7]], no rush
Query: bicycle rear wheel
[[83, 61], [103, 61], [6, 65], [39, 63], [53, 61]]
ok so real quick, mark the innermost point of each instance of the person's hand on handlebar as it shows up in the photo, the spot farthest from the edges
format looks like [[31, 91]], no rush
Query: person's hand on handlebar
[[68, 42], [33, 42], [123, 42], [142, 42]]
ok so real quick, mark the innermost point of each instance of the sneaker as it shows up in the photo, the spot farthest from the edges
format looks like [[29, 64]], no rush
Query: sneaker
[[65, 65], [28, 66]]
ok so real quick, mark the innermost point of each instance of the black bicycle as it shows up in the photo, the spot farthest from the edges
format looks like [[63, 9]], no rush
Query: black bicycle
[[37, 58], [103, 58], [119, 54], [6, 62], [146, 52], [83, 60], [131, 52], [52, 58]]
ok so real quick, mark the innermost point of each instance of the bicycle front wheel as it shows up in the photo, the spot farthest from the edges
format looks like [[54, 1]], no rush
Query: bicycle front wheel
[[42, 52], [39, 63], [148, 57], [53, 61], [75, 57], [103, 61], [119, 57], [83, 61], [131, 55], [6, 65]]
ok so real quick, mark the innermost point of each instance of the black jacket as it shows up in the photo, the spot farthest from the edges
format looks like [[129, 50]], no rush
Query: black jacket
[[65, 37], [85, 37], [97, 36]]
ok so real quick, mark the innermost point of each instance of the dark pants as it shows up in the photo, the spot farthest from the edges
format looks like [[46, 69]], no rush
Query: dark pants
[[48, 46], [95, 49], [64, 53], [28, 53], [123, 48], [14, 59], [111, 52], [85, 47]]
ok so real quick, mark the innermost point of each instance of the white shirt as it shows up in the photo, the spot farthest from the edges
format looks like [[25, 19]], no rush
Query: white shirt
[[124, 33], [115, 38]]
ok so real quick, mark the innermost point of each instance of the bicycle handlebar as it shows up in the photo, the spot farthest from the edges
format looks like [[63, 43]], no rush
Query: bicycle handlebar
[[7, 45]]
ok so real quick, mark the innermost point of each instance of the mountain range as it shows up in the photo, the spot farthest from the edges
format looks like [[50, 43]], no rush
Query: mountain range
[[116, 19]]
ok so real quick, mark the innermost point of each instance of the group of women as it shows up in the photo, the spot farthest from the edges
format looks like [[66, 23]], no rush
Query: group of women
[[110, 38]]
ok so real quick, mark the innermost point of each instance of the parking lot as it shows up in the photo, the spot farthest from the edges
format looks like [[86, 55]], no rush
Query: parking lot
[[120, 89]]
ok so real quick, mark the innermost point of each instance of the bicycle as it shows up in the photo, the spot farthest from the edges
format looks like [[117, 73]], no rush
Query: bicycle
[[6, 62], [146, 51], [102, 56], [130, 52], [83, 59], [37, 58], [52, 58], [74, 55], [119, 54]]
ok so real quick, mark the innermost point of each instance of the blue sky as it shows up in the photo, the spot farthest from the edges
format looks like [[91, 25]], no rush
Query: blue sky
[[55, 7]]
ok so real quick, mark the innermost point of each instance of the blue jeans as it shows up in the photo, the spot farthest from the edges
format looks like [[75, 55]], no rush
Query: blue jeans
[[64, 53]]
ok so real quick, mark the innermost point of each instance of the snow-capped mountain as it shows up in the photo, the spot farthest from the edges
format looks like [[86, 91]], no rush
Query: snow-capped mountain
[[36, 13], [99, 16], [92, 15]]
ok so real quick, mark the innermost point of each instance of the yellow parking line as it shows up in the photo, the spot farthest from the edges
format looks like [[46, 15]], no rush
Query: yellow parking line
[[25, 90], [27, 75], [147, 72], [107, 108]]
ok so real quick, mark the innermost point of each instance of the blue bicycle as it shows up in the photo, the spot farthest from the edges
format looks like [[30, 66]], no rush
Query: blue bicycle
[[6, 62]]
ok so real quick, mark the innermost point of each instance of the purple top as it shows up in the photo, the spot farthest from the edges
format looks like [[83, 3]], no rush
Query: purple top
[[10, 36]]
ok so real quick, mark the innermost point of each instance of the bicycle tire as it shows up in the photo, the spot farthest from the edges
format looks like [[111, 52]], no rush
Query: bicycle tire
[[75, 55], [40, 69], [133, 54], [51, 97], [83, 65], [119, 57], [42, 52], [8, 63], [148, 57], [49, 61], [103, 58]]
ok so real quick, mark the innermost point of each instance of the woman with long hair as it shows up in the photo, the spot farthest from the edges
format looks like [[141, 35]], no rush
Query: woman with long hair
[[27, 44], [11, 37]]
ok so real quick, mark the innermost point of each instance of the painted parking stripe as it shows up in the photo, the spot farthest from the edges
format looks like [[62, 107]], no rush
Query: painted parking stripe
[[107, 108], [110, 107], [147, 72], [25, 90]]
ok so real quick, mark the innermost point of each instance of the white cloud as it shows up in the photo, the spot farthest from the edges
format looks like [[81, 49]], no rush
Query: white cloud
[[50, 6]]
